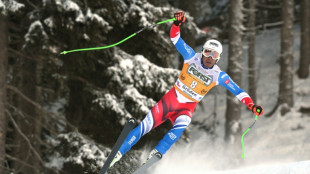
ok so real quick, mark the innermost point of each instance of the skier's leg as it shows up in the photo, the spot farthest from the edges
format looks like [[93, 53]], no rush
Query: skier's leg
[[173, 134], [156, 116], [134, 136]]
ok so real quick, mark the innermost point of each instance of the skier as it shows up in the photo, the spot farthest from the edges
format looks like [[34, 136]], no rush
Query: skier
[[199, 74]]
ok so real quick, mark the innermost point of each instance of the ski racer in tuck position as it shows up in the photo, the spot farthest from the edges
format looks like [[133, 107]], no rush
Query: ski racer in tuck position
[[199, 74]]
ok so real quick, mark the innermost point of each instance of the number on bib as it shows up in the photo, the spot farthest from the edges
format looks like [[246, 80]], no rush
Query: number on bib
[[194, 84]]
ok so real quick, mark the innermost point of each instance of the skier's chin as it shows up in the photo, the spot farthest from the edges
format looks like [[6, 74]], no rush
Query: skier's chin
[[208, 64]]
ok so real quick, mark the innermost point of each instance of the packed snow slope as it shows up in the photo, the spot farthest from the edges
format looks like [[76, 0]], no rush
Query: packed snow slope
[[275, 145]]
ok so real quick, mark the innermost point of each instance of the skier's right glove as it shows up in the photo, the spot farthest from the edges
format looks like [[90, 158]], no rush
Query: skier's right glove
[[256, 109], [180, 18]]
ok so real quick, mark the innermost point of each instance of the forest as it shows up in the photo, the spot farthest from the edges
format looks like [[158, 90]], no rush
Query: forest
[[62, 113]]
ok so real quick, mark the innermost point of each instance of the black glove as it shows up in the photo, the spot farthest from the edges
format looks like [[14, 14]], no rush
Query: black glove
[[180, 18]]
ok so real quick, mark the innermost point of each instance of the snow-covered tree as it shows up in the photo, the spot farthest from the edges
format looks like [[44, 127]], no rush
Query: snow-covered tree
[[102, 88]]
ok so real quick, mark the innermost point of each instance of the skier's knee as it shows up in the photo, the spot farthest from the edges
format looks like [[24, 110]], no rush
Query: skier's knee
[[182, 121], [147, 124]]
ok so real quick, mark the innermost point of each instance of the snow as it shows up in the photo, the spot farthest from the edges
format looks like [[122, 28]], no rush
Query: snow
[[98, 19], [88, 153], [134, 94], [68, 5], [11, 5], [1, 5], [126, 63], [36, 25], [49, 22], [112, 102], [275, 145]]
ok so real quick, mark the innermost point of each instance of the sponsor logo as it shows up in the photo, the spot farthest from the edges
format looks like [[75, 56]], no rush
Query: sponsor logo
[[214, 44], [149, 120], [182, 77], [172, 136], [188, 91], [195, 72], [231, 86], [187, 48], [223, 76], [178, 84], [132, 140], [203, 92], [227, 81], [156, 108]]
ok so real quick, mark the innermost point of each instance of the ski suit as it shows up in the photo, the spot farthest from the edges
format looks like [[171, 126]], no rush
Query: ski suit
[[178, 104]]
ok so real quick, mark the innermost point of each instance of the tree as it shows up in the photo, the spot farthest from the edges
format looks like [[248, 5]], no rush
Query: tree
[[303, 71], [285, 97], [233, 110], [3, 74], [28, 124], [251, 54]]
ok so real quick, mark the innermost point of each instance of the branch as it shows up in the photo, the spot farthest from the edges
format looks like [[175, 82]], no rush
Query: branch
[[268, 6], [29, 143], [25, 137], [18, 53], [54, 117], [20, 161], [31, 4], [14, 89]]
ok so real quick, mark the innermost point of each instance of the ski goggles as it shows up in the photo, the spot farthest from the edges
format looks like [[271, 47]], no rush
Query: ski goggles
[[211, 53]]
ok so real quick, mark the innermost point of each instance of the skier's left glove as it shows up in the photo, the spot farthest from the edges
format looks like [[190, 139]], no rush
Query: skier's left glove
[[180, 18], [256, 109]]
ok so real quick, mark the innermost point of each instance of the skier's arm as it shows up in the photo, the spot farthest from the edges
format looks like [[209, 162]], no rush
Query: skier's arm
[[228, 83], [186, 51]]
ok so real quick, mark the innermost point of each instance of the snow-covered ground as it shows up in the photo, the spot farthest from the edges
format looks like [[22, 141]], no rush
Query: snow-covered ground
[[275, 145]]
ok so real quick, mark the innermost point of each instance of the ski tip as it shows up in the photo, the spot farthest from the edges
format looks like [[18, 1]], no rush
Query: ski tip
[[132, 120], [159, 155]]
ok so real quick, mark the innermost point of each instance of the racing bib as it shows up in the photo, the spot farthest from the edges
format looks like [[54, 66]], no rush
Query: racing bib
[[194, 83]]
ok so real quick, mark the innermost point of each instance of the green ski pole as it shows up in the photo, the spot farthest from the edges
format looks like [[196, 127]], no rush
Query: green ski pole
[[245, 132], [112, 45]]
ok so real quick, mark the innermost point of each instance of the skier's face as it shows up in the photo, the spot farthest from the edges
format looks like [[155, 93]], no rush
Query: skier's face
[[208, 62]]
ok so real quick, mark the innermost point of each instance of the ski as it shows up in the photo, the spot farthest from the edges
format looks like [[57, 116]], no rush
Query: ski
[[155, 158], [126, 130]]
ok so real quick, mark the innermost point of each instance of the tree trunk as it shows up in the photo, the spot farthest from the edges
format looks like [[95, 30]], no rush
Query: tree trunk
[[285, 97], [3, 74], [303, 71], [29, 124], [233, 111], [251, 59]]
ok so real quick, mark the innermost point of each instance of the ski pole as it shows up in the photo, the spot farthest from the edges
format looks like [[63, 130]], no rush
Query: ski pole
[[245, 132], [112, 45]]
